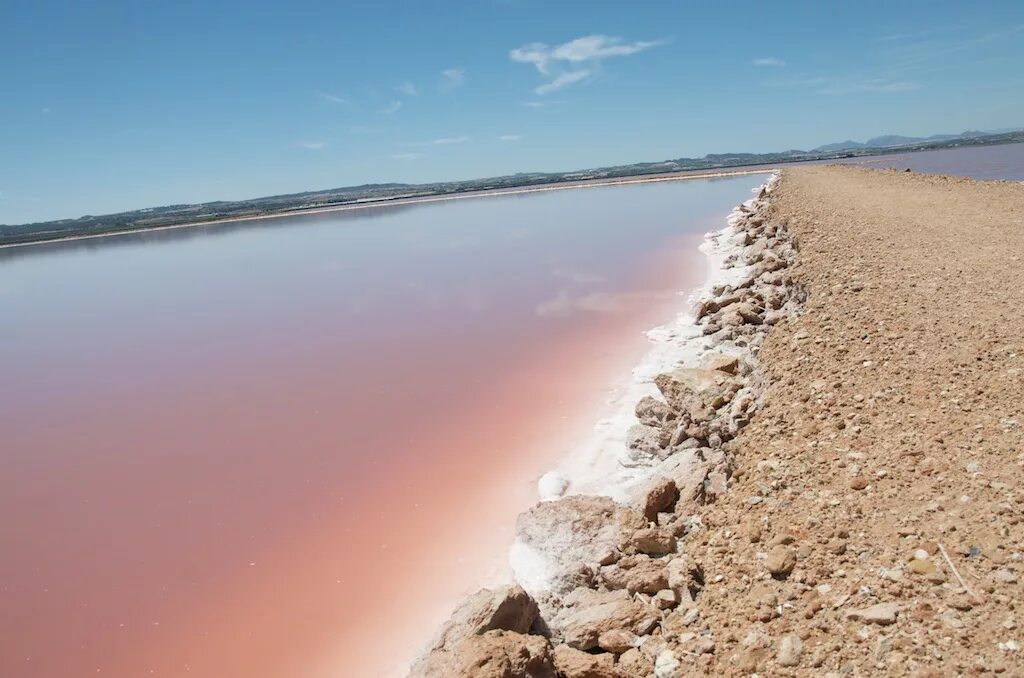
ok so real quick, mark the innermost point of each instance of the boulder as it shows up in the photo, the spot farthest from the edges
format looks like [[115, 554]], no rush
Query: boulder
[[617, 641], [684, 386], [570, 533], [645, 440], [685, 577], [654, 541], [493, 654], [636, 574], [586, 614], [573, 663], [507, 608], [635, 663], [659, 495], [729, 364], [653, 412]]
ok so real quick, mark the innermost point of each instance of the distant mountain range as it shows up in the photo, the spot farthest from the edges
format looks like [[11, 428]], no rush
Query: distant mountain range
[[890, 140]]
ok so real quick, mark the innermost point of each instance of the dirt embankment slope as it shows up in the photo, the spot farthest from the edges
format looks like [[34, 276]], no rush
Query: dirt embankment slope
[[889, 455]]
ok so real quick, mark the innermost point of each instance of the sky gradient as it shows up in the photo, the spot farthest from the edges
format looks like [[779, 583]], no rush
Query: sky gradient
[[122, 105]]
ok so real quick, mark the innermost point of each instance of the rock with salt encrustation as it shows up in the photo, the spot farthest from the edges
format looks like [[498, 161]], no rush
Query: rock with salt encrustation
[[645, 441], [552, 485], [653, 412], [682, 387], [557, 538]]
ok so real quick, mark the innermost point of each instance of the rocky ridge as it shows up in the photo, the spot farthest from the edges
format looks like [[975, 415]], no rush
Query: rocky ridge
[[622, 588]]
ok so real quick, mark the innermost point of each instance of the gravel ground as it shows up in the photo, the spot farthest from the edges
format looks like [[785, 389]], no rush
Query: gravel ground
[[881, 481]]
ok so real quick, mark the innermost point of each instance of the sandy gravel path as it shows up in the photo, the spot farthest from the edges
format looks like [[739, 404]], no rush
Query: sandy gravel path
[[889, 456]]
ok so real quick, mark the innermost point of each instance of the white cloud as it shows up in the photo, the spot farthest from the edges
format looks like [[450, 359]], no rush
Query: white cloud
[[768, 61], [444, 141], [312, 145], [542, 104], [341, 101], [408, 89], [441, 141], [405, 156], [844, 84], [588, 50], [452, 78], [391, 108], [562, 81], [510, 137], [46, 110], [594, 47]]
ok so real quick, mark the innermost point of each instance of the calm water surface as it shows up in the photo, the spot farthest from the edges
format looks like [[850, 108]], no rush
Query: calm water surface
[[979, 162], [275, 448]]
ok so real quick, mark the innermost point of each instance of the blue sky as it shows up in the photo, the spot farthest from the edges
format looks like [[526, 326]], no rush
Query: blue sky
[[109, 106]]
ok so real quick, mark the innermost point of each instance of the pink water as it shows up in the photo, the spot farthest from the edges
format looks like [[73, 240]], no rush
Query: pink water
[[284, 448]]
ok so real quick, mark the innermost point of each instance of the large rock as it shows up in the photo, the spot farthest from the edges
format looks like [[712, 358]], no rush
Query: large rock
[[646, 441], [636, 574], [494, 654], [658, 495], [653, 412], [687, 387], [573, 663], [586, 614], [507, 608], [560, 537]]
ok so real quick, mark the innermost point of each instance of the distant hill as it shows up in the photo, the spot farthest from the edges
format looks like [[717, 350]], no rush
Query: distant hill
[[382, 193], [890, 140]]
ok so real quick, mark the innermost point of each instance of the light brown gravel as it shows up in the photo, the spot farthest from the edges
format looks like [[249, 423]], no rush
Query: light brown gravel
[[891, 445]]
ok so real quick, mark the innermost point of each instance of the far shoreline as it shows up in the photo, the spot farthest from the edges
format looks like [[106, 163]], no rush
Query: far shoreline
[[489, 193]]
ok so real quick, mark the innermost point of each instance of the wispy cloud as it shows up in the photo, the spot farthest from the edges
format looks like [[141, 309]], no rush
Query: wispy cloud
[[574, 61], [768, 61], [452, 78], [408, 89], [445, 141], [510, 137], [311, 145], [562, 81], [441, 141], [391, 108], [843, 84], [334, 99], [587, 48], [46, 110], [405, 156]]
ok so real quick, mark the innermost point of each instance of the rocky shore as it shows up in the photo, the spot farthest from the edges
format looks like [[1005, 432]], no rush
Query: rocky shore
[[835, 490]]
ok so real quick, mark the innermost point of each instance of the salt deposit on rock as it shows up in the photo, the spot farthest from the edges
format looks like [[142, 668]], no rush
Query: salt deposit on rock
[[615, 594]]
